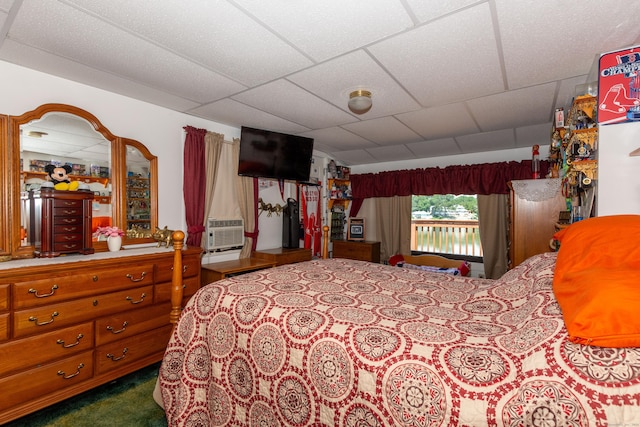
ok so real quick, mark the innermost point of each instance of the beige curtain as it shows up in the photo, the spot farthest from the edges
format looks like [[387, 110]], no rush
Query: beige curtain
[[245, 189], [213, 147], [393, 227], [492, 219]]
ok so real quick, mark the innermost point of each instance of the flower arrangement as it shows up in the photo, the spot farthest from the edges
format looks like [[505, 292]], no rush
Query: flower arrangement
[[109, 232]]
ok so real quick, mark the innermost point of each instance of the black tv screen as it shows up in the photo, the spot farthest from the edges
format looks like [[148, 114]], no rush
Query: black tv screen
[[268, 154]]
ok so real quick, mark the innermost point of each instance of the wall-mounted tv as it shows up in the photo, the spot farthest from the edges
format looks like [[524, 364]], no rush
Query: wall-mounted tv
[[268, 154]]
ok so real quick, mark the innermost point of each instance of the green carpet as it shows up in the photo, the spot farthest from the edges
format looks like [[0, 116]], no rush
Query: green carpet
[[126, 402]]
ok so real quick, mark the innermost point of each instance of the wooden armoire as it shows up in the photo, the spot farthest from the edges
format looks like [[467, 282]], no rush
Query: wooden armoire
[[535, 205]]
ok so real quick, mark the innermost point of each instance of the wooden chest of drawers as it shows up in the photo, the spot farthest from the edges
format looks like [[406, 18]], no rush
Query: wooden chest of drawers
[[60, 221], [363, 251], [69, 325]]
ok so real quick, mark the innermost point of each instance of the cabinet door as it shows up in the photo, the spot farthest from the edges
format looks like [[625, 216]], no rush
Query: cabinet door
[[5, 189], [533, 219]]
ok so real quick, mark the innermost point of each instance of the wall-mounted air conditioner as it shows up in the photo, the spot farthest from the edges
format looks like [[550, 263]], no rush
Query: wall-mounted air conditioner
[[224, 234]]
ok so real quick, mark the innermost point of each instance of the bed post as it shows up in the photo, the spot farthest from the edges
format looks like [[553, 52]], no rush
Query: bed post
[[325, 242], [176, 278]]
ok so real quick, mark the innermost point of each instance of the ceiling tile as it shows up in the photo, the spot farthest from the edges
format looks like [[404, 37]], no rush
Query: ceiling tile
[[284, 99], [227, 41], [354, 157], [384, 131], [514, 108], [528, 136], [539, 43], [440, 122], [488, 141], [234, 113], [391, 154], [344, 25], [449, 60], [119, 52], [429, 10], [337, 139], [435, 148]]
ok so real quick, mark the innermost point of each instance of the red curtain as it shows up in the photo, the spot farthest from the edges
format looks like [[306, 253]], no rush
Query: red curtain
[[484, 178], [194, 184]]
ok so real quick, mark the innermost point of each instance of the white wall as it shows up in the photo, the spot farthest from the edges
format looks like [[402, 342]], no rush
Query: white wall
[[159, 129], [618, 173]]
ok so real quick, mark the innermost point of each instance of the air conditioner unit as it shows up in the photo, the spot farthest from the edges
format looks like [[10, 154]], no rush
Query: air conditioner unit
[[224, 234]]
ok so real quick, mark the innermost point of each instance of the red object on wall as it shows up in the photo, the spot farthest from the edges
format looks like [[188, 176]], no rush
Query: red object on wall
[[311, 218], [619, 86]]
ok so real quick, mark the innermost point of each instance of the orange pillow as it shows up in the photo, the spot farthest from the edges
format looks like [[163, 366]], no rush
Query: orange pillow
[[596, 280]]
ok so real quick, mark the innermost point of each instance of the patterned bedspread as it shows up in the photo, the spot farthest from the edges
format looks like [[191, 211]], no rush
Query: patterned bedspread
[[348, 343]]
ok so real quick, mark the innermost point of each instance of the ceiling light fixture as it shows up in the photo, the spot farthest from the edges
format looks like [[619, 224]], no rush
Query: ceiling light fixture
[[360, 101], [36, 134]]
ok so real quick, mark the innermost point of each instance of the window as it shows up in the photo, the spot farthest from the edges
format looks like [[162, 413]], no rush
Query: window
[[446, 224]]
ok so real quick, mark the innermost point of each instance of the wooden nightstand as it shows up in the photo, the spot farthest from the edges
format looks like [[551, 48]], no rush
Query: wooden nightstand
[[219, 270], [364, 251], [283, 256]]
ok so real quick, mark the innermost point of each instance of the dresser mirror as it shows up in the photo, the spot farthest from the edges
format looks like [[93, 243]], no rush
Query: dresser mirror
[[63, 134]]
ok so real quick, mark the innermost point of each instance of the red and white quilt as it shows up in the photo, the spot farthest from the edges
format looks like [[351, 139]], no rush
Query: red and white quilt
[[348, 343]]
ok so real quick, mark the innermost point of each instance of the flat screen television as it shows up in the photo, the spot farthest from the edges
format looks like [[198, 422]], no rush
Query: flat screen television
[[268, 154]]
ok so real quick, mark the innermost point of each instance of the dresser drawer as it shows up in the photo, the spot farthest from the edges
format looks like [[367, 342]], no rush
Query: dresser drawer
[[66, 220], [47, 379], [4, 297], [189, 287], [43, 319], [68, 229], [67, 203], [4, 327], [164, 272], [67, 237], [73, 285], [125, 324], [33, 351], [122, 352], [68, 212]]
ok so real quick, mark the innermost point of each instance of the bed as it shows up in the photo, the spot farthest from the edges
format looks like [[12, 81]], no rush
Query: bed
[[337, 342]]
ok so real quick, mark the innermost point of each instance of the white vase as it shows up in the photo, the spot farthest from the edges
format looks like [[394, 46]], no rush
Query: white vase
[[114, 243]]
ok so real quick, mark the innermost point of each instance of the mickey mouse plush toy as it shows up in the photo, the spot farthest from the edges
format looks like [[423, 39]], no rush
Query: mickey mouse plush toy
[[59, 175]]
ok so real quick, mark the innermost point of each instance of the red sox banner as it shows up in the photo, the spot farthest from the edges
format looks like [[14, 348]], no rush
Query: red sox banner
[[311, 218], [619, 87]]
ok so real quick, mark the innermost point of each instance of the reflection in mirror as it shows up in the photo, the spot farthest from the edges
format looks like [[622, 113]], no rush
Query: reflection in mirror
[[61, 138], [138, 194]]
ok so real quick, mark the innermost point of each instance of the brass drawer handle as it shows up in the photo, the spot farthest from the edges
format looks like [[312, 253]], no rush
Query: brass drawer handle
[[114, 358], [35, 292], [69, 220], [124, 326], [70, 212], [142, 297], [70, 246], [78, 338], [133, 279], [35, 319], [66, 377]]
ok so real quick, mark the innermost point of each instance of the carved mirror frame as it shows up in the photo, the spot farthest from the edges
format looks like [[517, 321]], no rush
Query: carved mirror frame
[[12, 221]]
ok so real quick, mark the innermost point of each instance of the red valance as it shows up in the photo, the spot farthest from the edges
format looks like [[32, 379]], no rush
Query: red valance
[[484, 178]]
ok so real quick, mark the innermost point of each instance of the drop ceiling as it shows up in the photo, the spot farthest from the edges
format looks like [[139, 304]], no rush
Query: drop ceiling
[[447, 77]]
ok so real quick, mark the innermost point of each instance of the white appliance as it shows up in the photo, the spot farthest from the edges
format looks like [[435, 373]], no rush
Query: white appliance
[[224, 234]]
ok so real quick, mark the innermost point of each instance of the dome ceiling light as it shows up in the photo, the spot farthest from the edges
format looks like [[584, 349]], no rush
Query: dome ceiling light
[[360, 101]]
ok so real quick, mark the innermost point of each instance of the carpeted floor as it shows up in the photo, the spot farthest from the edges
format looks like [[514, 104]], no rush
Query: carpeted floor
[[125, 402]]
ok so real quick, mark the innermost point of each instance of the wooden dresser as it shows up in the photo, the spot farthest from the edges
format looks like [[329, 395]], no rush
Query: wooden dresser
[[71, 323], [535, 207], [363, 251]]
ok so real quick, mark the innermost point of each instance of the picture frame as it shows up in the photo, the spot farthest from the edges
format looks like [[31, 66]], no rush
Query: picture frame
[[356, 229]]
